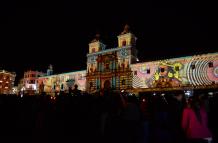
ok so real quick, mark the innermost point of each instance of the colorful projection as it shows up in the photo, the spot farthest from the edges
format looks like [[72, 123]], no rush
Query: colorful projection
[[61, 82], [195, 70]]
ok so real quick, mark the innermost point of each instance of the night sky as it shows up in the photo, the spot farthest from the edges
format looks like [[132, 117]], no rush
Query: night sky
[[36, 34]]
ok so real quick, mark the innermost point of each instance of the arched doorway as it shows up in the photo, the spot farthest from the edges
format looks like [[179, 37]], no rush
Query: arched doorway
[[107, 84]]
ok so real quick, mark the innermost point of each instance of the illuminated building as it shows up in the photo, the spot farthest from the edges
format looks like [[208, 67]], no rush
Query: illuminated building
[[6, 82], [62, 82], [110, 68], [30, 81], [118, 69], [200, 71]]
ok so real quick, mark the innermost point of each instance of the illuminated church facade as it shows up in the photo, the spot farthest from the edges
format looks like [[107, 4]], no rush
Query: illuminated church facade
[[118, 69], [111, 68]]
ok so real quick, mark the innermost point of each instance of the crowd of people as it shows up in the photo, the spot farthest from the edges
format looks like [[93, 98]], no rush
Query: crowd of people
[[111, 117]]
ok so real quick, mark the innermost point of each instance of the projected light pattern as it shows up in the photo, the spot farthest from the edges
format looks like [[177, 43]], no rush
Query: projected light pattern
[[57, 83], [187, 71], [195, 70]]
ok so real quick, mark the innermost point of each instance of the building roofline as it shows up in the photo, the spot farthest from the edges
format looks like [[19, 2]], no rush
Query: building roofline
[[62, 74], [7, 72], [179, 58]]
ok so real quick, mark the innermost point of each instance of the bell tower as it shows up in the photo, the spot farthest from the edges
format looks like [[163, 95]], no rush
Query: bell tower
[[127, 42], [126, 38], [96, 45], [50, 70]]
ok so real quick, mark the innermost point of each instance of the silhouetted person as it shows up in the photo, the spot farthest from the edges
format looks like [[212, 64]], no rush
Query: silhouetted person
[[76, 91], [146, 118], [213, 118], [177, 103], [195, 122], [131, 121], [70, 90], [162, 132]]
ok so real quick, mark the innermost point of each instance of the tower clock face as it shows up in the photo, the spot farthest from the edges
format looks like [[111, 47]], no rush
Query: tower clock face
[[124, 52], [92, 59]]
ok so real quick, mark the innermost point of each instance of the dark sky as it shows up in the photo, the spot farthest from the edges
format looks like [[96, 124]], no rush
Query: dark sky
[[36, 34]]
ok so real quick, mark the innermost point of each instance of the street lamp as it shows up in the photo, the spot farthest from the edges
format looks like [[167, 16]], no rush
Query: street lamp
[[137, 59]]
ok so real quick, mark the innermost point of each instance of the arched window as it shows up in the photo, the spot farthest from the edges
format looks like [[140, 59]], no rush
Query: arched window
[[124, 43], [193, 66], [177, 68], [93, 50], [91, 84], [107, 66], [148, 71], [123, 82], [210, 64], [161, 69]]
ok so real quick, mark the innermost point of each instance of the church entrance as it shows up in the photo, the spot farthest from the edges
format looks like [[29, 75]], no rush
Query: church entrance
[[107, 84]]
